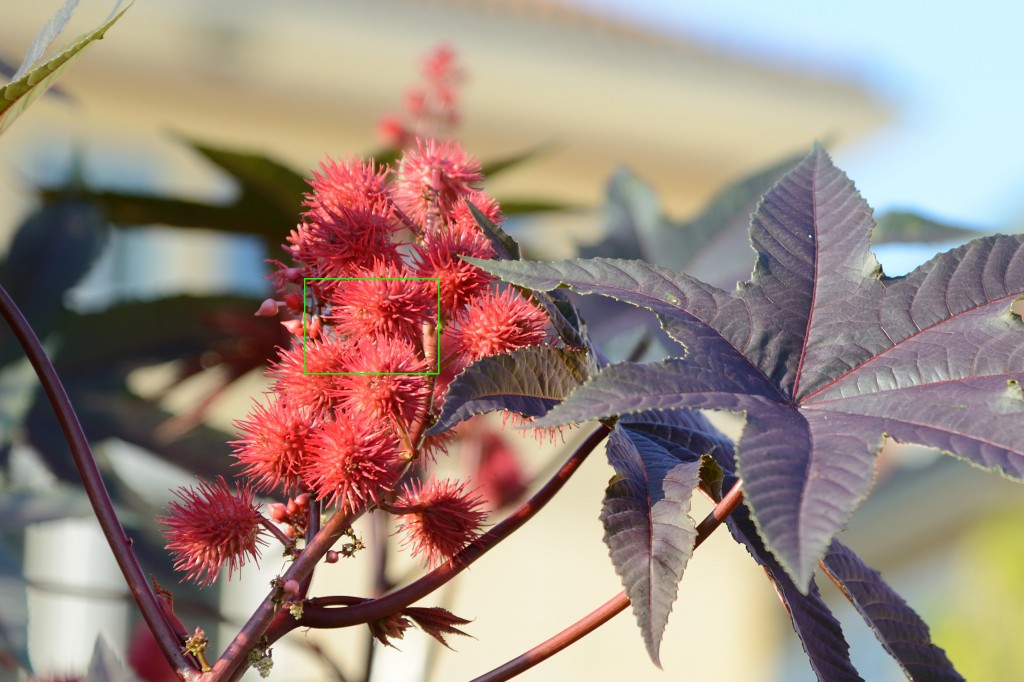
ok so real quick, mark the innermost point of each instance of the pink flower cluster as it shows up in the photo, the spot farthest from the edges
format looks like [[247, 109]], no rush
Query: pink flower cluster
[[431, 109], [385, 313]]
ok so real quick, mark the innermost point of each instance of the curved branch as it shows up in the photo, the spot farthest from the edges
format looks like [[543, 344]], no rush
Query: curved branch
[[120, 544], [317, 613], [609, 609], [232, 662]]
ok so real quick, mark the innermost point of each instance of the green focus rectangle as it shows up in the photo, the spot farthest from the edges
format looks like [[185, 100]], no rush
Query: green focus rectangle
[[437, 328]]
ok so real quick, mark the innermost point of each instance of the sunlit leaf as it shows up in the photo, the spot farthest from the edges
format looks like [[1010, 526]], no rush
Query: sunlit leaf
[[823, 354], [16, 96], [527, 381], [820, 633], [898, 627], [648, 531]]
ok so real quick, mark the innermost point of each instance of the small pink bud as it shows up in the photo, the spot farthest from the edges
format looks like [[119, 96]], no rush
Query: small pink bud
[[293, 275], [293, 301], [293, 326], [278, 514], [315, 326], [292, 507], [267, 309], [289, 531], [302, 500], [331, 557], [291, 587]]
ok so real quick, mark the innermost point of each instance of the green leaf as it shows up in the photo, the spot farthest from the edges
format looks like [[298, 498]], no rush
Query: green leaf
[[904, 227], [520, 206], [492, 168], [47, 34], [15, 97], [127, 209], [714, 246], [140, 333], [268, 202], [711, 475], [261, 178]]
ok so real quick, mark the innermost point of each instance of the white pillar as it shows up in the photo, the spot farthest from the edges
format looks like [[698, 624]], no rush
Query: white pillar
[[76, 593]]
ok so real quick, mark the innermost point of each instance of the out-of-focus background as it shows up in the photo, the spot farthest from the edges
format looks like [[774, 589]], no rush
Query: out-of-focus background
[[916, 102]]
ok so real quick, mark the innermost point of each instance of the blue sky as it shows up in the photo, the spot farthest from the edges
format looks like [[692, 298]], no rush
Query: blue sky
[[950, 71]]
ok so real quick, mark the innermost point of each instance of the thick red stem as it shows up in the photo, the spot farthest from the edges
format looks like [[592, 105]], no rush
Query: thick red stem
[[232, 662], [120, 543], [318, 614], [609, 609]]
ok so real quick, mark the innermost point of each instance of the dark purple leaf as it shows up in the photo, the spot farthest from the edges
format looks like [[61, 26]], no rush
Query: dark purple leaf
[[713, 246], [898, 627], [823, 354], [51, 251], [647, 528], [686, 429], [563, 315], [527, 381], [437, 622], [820, 633], [504, 245]]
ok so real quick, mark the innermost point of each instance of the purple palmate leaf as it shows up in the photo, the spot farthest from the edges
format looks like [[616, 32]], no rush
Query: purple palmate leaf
[[823, 353], [820, 633], [527, 381], [900, 630], [646, 524]]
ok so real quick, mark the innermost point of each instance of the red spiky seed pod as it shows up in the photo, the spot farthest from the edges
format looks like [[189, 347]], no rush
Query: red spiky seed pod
[[210, 526]]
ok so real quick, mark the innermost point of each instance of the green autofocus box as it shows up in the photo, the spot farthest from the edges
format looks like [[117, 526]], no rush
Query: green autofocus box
[[305, 299]]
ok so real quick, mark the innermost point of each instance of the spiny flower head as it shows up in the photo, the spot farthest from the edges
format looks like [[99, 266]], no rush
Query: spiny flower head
[[462, 220], [439, 256], [209, 526], [431, 178], [352, 460], [382, 301], [331, 241], [440, 518], [349, 220], [498, 322], [386, 378], [353, 184], [273, 443], [304, 375]]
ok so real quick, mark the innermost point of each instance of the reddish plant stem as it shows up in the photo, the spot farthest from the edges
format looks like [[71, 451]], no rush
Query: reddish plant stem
[[430, 351], [609, 609], [120, 543], [318, 614], [312, 528], [233, 661], [287, 542]]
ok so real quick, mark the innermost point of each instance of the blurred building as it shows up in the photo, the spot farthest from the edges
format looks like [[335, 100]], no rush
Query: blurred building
[[300, 80]]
